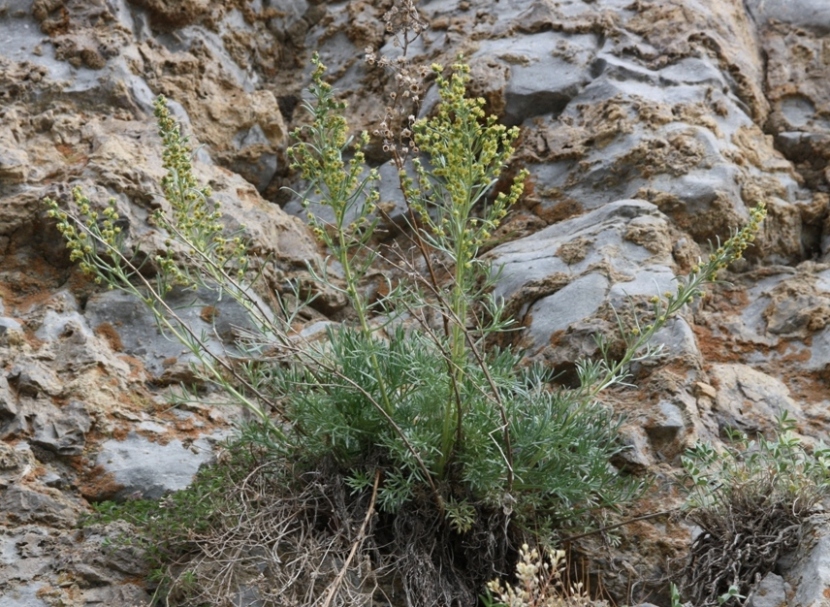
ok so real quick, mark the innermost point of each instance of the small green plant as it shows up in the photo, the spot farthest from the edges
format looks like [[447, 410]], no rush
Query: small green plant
[[675, 596], [749, 501], [733, 592], [407, 408]]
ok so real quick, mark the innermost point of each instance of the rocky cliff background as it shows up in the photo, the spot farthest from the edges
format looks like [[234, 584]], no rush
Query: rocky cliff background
[[649, 128]]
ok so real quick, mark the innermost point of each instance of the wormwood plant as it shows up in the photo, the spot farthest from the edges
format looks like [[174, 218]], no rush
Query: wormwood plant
[[749, 501], [406, 406], [467, 152]]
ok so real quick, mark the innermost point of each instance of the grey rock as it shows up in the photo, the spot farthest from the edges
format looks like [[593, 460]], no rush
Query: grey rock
[[749, 400], [819, 352], [21, 35], [117, 558], [796, 144], [700, 189], [8, 402], [152, 427], [563, 262], [677, 340], [314, 332], [650, 281], [391, 200], [25, 554], [539, 255], [789, 307], [753, 323], [291, 9], [693, 70], [216, 319], [119, 594], [120, 10], [638, 455], [141, 94], [797, 111], [608, 65], [394, 205], [31, 377], [21, 505], [687, 165], [23, 595], [546, 71], [18, 8], [92, 575], [14, 166], [196, 36], [337, 50], [809, 14], [58, 324], [772, 591], [150, 470], [823, 281], [808, 569], [667, 428], [106, 571], [52, 479], [578, 300], [69, 344], [64, 433], [253, 159], [114, 86], [15, 462]]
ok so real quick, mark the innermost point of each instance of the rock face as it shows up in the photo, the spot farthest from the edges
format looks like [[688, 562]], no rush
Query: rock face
[[649, 128]]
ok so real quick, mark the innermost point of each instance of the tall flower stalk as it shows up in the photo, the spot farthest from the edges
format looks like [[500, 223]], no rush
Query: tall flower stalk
[[467, 151]]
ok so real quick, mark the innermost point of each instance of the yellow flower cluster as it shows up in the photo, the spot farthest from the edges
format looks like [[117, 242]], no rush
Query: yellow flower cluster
[[340, 185], [692, 285], [468, 150], [89, 234], [95, 239], [196, 220]]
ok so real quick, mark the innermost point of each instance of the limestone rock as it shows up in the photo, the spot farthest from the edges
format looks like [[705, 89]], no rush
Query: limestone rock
[[564, 273], [31, 378], [130, 327], [62, 431], [140, 468], [8, 403], [15, 463], [807, 14], [543, 72], [807, 571], [748, 400], [21, 505], [772, 591], [23, 596]]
